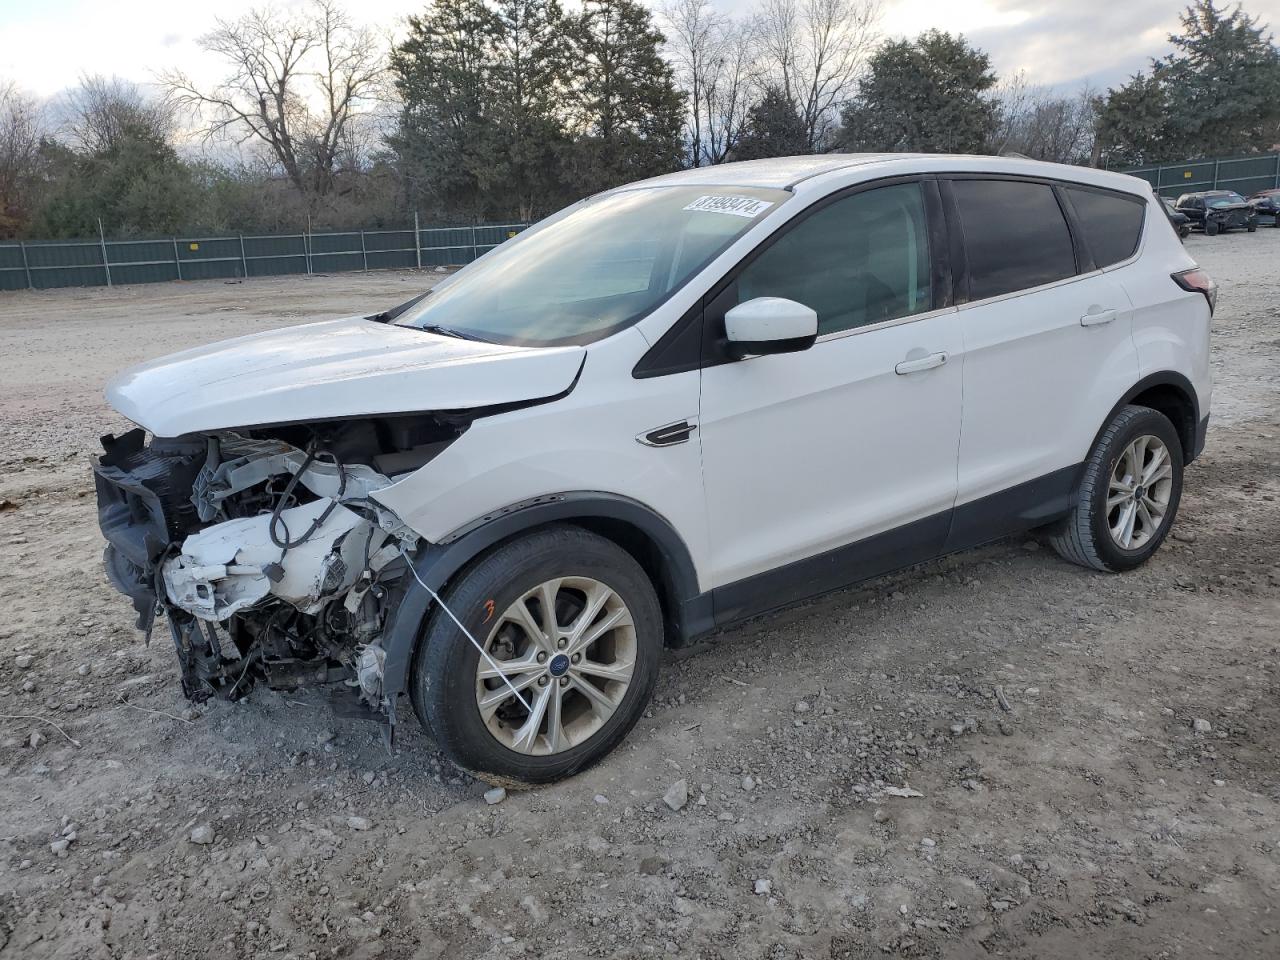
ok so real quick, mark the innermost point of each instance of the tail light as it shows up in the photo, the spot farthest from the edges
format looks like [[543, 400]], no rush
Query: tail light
[[1196, 280]]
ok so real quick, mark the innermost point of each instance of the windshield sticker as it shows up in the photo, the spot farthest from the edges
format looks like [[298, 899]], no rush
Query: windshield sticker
[[737, 206]]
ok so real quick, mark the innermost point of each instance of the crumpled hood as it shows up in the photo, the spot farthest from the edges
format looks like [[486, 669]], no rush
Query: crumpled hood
[[336, 368]]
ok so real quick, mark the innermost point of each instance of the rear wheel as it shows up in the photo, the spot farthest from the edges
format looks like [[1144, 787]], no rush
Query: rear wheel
[[572, 633], [1128, 494], [1252, 228]]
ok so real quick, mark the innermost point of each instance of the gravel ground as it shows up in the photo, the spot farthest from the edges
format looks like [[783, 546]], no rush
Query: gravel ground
[[856, 786]]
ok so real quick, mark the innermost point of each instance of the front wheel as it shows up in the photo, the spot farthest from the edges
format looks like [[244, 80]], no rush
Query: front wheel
[[1128, 494], [572, 633], [1211, 228], [1252, 228]]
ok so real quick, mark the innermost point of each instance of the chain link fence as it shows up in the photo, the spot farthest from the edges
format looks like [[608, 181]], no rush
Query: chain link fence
[[1245, 175], [45, 264]]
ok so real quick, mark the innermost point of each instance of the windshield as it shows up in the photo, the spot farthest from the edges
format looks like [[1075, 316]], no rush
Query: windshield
[[599, 268], [1224, 199]]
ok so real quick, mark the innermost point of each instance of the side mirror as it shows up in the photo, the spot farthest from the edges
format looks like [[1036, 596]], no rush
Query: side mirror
[[769, 325]]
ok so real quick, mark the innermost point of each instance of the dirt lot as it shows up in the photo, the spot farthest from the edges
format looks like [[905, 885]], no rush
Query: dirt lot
[[1090, 819]]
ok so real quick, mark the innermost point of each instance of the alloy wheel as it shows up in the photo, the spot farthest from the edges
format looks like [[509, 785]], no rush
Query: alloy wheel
[[1139, 491], [568, 646]]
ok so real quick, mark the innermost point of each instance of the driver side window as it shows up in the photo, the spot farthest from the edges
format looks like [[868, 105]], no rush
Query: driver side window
[[861, 260]]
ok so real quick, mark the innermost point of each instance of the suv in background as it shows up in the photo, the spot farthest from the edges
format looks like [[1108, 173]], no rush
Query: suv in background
[[1266, 203], [1181, 222], [669, 407], [1215, 211]]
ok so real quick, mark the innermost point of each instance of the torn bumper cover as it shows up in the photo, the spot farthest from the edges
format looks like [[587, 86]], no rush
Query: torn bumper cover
[[141, 510], [260, 554]]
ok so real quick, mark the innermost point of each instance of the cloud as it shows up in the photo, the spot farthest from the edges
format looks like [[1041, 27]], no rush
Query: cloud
[[1101, 42], [47, 46]]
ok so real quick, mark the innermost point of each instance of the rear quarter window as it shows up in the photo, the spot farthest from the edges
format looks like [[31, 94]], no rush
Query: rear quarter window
[[1111, 222]]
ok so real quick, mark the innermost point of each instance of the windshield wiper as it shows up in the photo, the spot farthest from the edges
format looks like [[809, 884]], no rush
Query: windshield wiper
[[450, 332]]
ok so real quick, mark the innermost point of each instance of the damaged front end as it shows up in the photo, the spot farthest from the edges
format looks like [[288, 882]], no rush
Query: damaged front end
[[263, 549]]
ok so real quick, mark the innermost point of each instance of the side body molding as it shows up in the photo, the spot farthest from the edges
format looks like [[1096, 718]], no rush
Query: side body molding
[[688, 611]]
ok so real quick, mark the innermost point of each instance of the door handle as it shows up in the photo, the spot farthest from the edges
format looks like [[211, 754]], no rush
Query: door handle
[[924, 363], [1095, 319]]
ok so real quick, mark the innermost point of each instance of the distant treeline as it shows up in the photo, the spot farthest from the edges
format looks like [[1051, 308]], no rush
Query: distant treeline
[[509, 109]]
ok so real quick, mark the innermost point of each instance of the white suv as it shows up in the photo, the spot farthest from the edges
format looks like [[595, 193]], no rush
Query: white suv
[[669, 407]]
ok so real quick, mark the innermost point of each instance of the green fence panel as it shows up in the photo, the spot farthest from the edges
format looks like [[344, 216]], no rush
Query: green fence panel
[[336, 262], [447, 256], [491, 236], [392, 259], [335, 243], [1243, 174], [72, 253], [210, 258], [74, 263], [13, 267]]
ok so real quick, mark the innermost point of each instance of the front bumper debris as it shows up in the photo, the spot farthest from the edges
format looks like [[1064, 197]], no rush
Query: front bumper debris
[[266, 560]]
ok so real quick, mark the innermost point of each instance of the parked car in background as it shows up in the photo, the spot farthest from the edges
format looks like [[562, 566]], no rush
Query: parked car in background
[[1217, 210], [1266, 204], [1181, 222], [670, 407]]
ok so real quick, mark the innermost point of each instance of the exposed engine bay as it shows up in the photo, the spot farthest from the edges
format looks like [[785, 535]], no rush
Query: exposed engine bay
[[262, 548]]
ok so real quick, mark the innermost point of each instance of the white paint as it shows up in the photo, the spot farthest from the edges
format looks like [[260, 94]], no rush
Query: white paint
[[770, 318], [336, 368], [794, 454], [804, 452]]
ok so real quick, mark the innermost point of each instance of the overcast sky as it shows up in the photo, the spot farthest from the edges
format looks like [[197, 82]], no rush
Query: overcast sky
[[47, 44]]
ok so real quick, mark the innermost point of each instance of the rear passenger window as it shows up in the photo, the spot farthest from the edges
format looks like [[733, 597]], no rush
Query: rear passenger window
[[1015, 236], [1112, 223]]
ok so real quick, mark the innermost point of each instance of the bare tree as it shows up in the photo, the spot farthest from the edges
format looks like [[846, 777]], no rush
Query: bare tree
[[691, 29], [713, 58], [814, 50], [104, 111], [1013, 95], [21, 129], [730, 93], [297, 84], [1039, 124]]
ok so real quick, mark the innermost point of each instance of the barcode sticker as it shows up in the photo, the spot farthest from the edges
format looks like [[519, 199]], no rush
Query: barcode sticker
[[736, 206]]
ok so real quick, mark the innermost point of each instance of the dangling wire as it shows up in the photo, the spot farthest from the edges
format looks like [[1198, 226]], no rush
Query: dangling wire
[[474, 642], [287, 544]]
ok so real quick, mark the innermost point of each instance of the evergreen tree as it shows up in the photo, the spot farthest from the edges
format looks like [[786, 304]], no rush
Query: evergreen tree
[[626, 105], [1223, 79], [1217, 92], [926, 95], [1136, 123], [443, 72], [531, 74], [774, 128]]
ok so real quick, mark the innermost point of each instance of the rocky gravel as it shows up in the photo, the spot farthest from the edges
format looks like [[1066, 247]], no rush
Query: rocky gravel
[[994, 754]]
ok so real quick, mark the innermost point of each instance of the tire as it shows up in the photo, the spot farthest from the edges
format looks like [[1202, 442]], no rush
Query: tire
[[1252, 228], [1211, 228], [1085, 535], [502, 746]]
